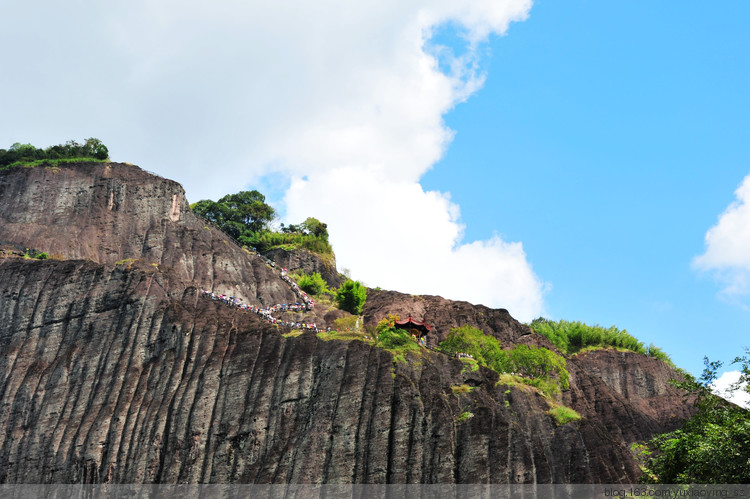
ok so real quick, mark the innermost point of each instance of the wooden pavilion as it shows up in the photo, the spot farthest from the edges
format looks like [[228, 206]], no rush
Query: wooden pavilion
[[414, 327]]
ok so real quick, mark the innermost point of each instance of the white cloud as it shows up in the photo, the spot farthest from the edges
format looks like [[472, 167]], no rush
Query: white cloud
[[349, 96], [721, 388], [728, 244], [395, 235]]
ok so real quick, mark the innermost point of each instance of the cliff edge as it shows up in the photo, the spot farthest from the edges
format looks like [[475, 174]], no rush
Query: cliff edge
[[115, 367]]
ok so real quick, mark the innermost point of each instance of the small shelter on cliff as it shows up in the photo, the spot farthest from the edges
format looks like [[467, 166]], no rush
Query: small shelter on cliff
[[414, 327]]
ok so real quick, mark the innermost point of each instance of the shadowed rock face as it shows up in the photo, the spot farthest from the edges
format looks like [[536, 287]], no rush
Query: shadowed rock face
[[124, 373]]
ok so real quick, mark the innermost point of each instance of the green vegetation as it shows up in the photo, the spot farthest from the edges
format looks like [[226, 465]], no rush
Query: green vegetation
[[537, 367], [485, 349], [461, 389], [246, 217], [350, 322], [240, 215], [28, 155], [397, 341], [539, 363], [312, 284], [711, 447], [293, 333], [267, 240], [39, 255], [563, 415], [464, 416], [469, 365], [345, 336], [572, 337], [351, 297]]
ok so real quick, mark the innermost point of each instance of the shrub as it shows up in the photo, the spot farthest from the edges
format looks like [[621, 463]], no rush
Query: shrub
[[266, 240], [457, 389], [313, 284], [464, 416], [539, 363], [395, 339], [486, 349], [571, 337], [344, 323], [564, 415], [351, 297], [658, 353], [541, 367]]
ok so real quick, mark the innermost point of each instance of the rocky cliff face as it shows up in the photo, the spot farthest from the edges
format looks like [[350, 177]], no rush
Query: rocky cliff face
[[307, 262], [118, 371], [112, 212]]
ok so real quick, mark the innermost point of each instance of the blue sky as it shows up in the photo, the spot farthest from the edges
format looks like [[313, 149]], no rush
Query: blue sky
[[608, 137], [564, 159]]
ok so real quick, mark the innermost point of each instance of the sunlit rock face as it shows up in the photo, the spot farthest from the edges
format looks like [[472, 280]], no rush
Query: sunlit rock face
[[115, 368]]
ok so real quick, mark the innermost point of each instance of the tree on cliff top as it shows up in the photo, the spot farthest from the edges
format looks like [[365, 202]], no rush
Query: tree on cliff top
[[246, 217], [237, 214], [91, 149]]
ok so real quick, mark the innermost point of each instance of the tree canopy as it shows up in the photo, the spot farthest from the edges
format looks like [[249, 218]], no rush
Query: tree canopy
[[351, 297], [91, 149], [247, 217], [711, 447], [238, 214]]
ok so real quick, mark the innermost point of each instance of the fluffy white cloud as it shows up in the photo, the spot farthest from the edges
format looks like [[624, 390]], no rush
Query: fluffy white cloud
[[393, 234], [721, 388], [728, 244], [347, 99]]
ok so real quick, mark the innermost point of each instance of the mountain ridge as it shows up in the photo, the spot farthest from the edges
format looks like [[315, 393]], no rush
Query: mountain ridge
[[117, 370]]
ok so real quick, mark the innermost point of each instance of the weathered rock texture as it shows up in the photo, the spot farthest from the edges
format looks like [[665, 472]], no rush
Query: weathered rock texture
[[109, 213], [121, 372], [307, 262]]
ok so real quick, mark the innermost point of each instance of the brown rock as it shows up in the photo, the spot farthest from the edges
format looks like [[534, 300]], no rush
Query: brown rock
[[119, 371], [307, 262]]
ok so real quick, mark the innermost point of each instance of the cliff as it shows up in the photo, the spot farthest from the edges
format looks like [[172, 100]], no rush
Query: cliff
[[115, 368]]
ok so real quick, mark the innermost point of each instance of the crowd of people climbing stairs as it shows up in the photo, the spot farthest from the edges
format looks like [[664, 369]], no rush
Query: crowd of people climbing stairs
[[304, 305]]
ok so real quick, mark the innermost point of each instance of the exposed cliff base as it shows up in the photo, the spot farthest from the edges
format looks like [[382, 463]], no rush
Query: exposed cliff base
[[116, 369]]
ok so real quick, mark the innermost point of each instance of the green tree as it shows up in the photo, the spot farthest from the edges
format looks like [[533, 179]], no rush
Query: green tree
[[351, 297], [711, 447], [316, 228], [250, 209], [94, 148], [313, 283], [539, 362], [485, 349], [240, 215], [26, 153]]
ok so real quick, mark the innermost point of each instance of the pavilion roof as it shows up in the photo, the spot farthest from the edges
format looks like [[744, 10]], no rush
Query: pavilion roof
[[411, 323]]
